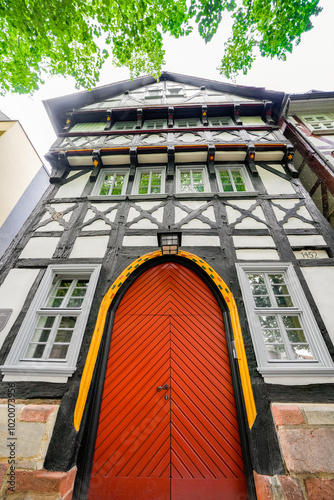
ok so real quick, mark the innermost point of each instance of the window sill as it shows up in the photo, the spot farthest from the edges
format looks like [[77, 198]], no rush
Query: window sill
[[147, 196], [298, 375], [108, 198], [25, 372], [237, 194], [193, 195]]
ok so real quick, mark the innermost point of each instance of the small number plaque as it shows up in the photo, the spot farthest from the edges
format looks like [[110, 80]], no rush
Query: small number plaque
[[311, 254]]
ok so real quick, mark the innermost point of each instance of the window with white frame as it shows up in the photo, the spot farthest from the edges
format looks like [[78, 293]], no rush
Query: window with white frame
[[285, 334], [153, 93], [154, 124], [192, 180], [233, 179], [175, 92], [187, 122], [124, 125], [220, 121], [49, 340], [111, 182], [319, 123], [149, 180]]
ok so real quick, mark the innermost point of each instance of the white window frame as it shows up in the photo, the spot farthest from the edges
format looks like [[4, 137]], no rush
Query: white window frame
[[321, 364], [244, 175], [154, 93], [155, 124], [192, 167], [319, 123], [16, 364], [175, 92], [127, 125], [224, 121], [189, 122], [139, 171], [101, 177]]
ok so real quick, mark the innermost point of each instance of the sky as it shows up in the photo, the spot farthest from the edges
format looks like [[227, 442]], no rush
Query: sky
[[310, 66]]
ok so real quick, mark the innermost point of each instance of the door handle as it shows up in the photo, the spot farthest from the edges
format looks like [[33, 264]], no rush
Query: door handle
[[160, 387]]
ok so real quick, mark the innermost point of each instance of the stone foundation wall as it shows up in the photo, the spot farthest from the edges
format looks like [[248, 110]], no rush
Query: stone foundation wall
[[25, 433], [306, 437]]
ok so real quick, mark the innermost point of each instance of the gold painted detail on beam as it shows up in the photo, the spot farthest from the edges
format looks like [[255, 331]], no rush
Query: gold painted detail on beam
[[101, 319]]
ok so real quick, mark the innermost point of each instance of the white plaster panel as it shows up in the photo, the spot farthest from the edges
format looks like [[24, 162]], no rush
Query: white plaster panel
[[52, 226], [153, 158], [78, 161], [179, 214], [196, 224], [140, 241], [61, 207], [89, 247], [250, 223], [74, 188], [275, 184], [230, 155], [116, 160], [253, 241], [256, 254], [297, 240], [147, 205], [111, 215], [295, 223], [13, 296], [269, 155], [133, 213], [244, 204], [200, 241], [89, 215], [193, 204], [320, 281], [209, 213], [98, 225], [158, 214], [144, 224], [40, 248], [190, 157], [102, 207]]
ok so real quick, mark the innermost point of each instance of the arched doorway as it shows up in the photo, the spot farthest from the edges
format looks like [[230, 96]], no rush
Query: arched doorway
[[168, 427]]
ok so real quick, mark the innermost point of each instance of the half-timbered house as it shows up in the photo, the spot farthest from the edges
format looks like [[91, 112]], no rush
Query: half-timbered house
[[171, 334]]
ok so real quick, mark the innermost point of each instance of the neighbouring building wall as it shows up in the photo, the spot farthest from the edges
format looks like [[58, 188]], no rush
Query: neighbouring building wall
[[24, 180]]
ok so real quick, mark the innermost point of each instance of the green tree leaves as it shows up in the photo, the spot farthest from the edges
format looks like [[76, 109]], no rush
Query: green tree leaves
[[75, 37]]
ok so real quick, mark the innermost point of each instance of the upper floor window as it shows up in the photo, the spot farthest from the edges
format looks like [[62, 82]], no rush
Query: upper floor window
[[111, 182], [88, 127], [285, 335], [153, 93], [233, 179], [175, 92], [49, 340], [187, 122], [319, 123], [124, 125], [220, 121], [192, 180], [155, 124], [149, 181]]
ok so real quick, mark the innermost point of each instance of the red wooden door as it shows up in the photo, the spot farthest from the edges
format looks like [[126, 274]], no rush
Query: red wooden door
[[180, 442]]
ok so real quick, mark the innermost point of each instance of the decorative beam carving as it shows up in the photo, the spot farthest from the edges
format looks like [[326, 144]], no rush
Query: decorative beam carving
[[133, 161], [205, 115], [97, 164], [288, 160], [250, 159], [109, 121], [237, 114], [266, 115], [170, 116], [171, 161], [139, 118], [68, 122], [60, 167], [211, 159]]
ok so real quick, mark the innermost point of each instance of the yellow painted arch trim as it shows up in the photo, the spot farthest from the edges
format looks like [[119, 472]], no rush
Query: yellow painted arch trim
[[101, 318]]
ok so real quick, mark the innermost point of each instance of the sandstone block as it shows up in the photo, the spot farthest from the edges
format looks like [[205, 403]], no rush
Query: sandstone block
[[319, 414], [319, 489], [308, 451], [291, 488], [37, 413], [287, 414], [262, 486]]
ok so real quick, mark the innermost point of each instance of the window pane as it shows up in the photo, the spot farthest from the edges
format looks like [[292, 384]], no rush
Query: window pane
[[198, 181], [185, 181], [225, 180], [59, 293], [67, 322], [276, 351], [280, 290], [259, 290], [284, 301], [156, 182], [144, 183], [296, 335], [291, 322], [107, 184], [118, 184], [238, 180], [58, 352], [272, 336], [302, 351], [268, 321], [64, 336], [35, 351]]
